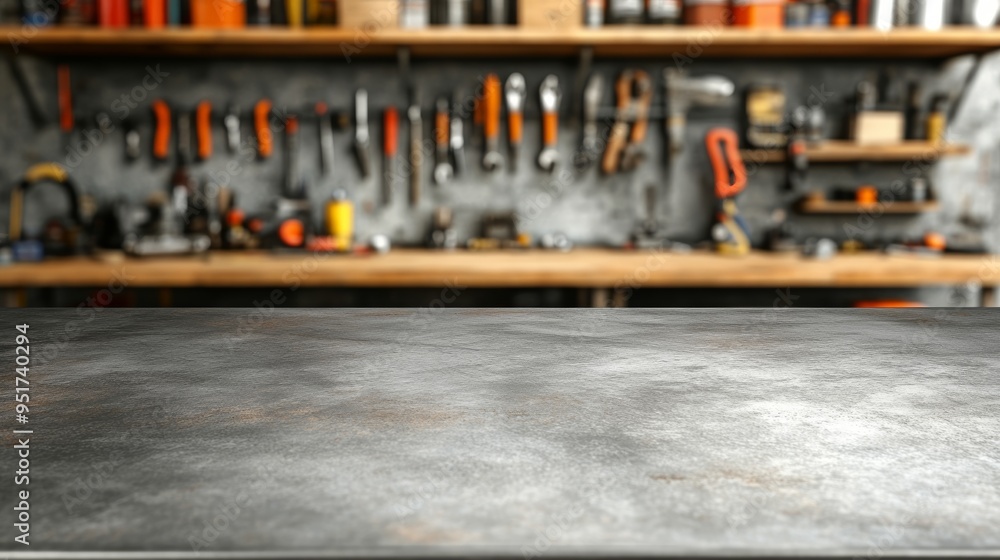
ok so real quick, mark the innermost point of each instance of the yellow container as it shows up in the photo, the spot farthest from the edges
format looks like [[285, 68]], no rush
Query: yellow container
[[340, 222]]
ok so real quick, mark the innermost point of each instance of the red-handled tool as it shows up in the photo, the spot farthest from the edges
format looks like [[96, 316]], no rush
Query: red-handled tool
[[161, 129], [390, 147], [203, 126], [65, 98], [261, 124]]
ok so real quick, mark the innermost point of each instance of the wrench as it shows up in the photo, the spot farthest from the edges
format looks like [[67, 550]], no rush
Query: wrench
[[457, 139], [443, 171], [492, 160], [362, 137], [232, 122], [515, 92], [551, 96], [591, 104]]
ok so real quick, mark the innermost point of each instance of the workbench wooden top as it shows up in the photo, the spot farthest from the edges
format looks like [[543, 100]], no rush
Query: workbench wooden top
[[585, 268]]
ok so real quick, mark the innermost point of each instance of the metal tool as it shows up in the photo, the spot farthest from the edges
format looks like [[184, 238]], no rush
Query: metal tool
[[683, 92], [326, 151], [203, 125], [132, 150], [592, 96], [161, 129], [635, 95], [515, 92], [443, 171], [492, 159], [551, 97], [731, 233], [232, 123], [294, 186], [390, 145], [457, 139], [416, 148], [362, 136], [262, 127]]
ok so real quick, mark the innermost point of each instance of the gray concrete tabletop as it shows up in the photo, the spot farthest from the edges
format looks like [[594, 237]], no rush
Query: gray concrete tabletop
[[505, 433]]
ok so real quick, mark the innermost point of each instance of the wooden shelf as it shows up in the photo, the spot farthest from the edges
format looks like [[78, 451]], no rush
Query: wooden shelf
[[811, 205], [583, 268], [835, 151], [509, 41]]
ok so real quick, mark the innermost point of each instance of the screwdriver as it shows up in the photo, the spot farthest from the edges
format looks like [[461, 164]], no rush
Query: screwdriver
[[390, 147]]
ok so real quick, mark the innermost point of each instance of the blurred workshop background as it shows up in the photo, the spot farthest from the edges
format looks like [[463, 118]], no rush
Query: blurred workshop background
[[494, 153]]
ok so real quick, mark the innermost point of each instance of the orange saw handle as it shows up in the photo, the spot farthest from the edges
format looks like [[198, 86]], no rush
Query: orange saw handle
[[727, 165]]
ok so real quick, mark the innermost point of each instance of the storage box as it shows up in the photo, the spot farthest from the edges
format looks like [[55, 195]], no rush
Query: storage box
[[877, 127], [550, 14], [368, 15]]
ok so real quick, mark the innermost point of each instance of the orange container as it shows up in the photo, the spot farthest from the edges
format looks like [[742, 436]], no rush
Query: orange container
[[154, 13], [760, 15], [218, 14]]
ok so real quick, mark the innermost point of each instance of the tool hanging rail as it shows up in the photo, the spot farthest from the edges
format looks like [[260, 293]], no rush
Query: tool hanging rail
[[504, 41]]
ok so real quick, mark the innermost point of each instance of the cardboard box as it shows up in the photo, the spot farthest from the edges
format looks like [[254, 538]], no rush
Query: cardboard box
[[368, 15], [550, 14], [870, 128]]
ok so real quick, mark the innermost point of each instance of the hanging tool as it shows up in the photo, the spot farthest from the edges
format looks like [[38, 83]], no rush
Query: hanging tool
[[731, 233], [390, 141], [635, 95], [362, 137], [416, 147], [592, 95], [683, 92], [457, 139], [261, 124], [551, 97], [326, 151], [203, 123], [66, 120], [443, 171], [492, 159], [643, 91], [294, 185], [161, 129], [515, 91], [131, 134], [796, 156], [232, 123]]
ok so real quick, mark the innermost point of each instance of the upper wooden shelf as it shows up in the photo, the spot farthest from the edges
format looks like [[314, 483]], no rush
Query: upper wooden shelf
[[583, 268], [507, 41], [834, 151]]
